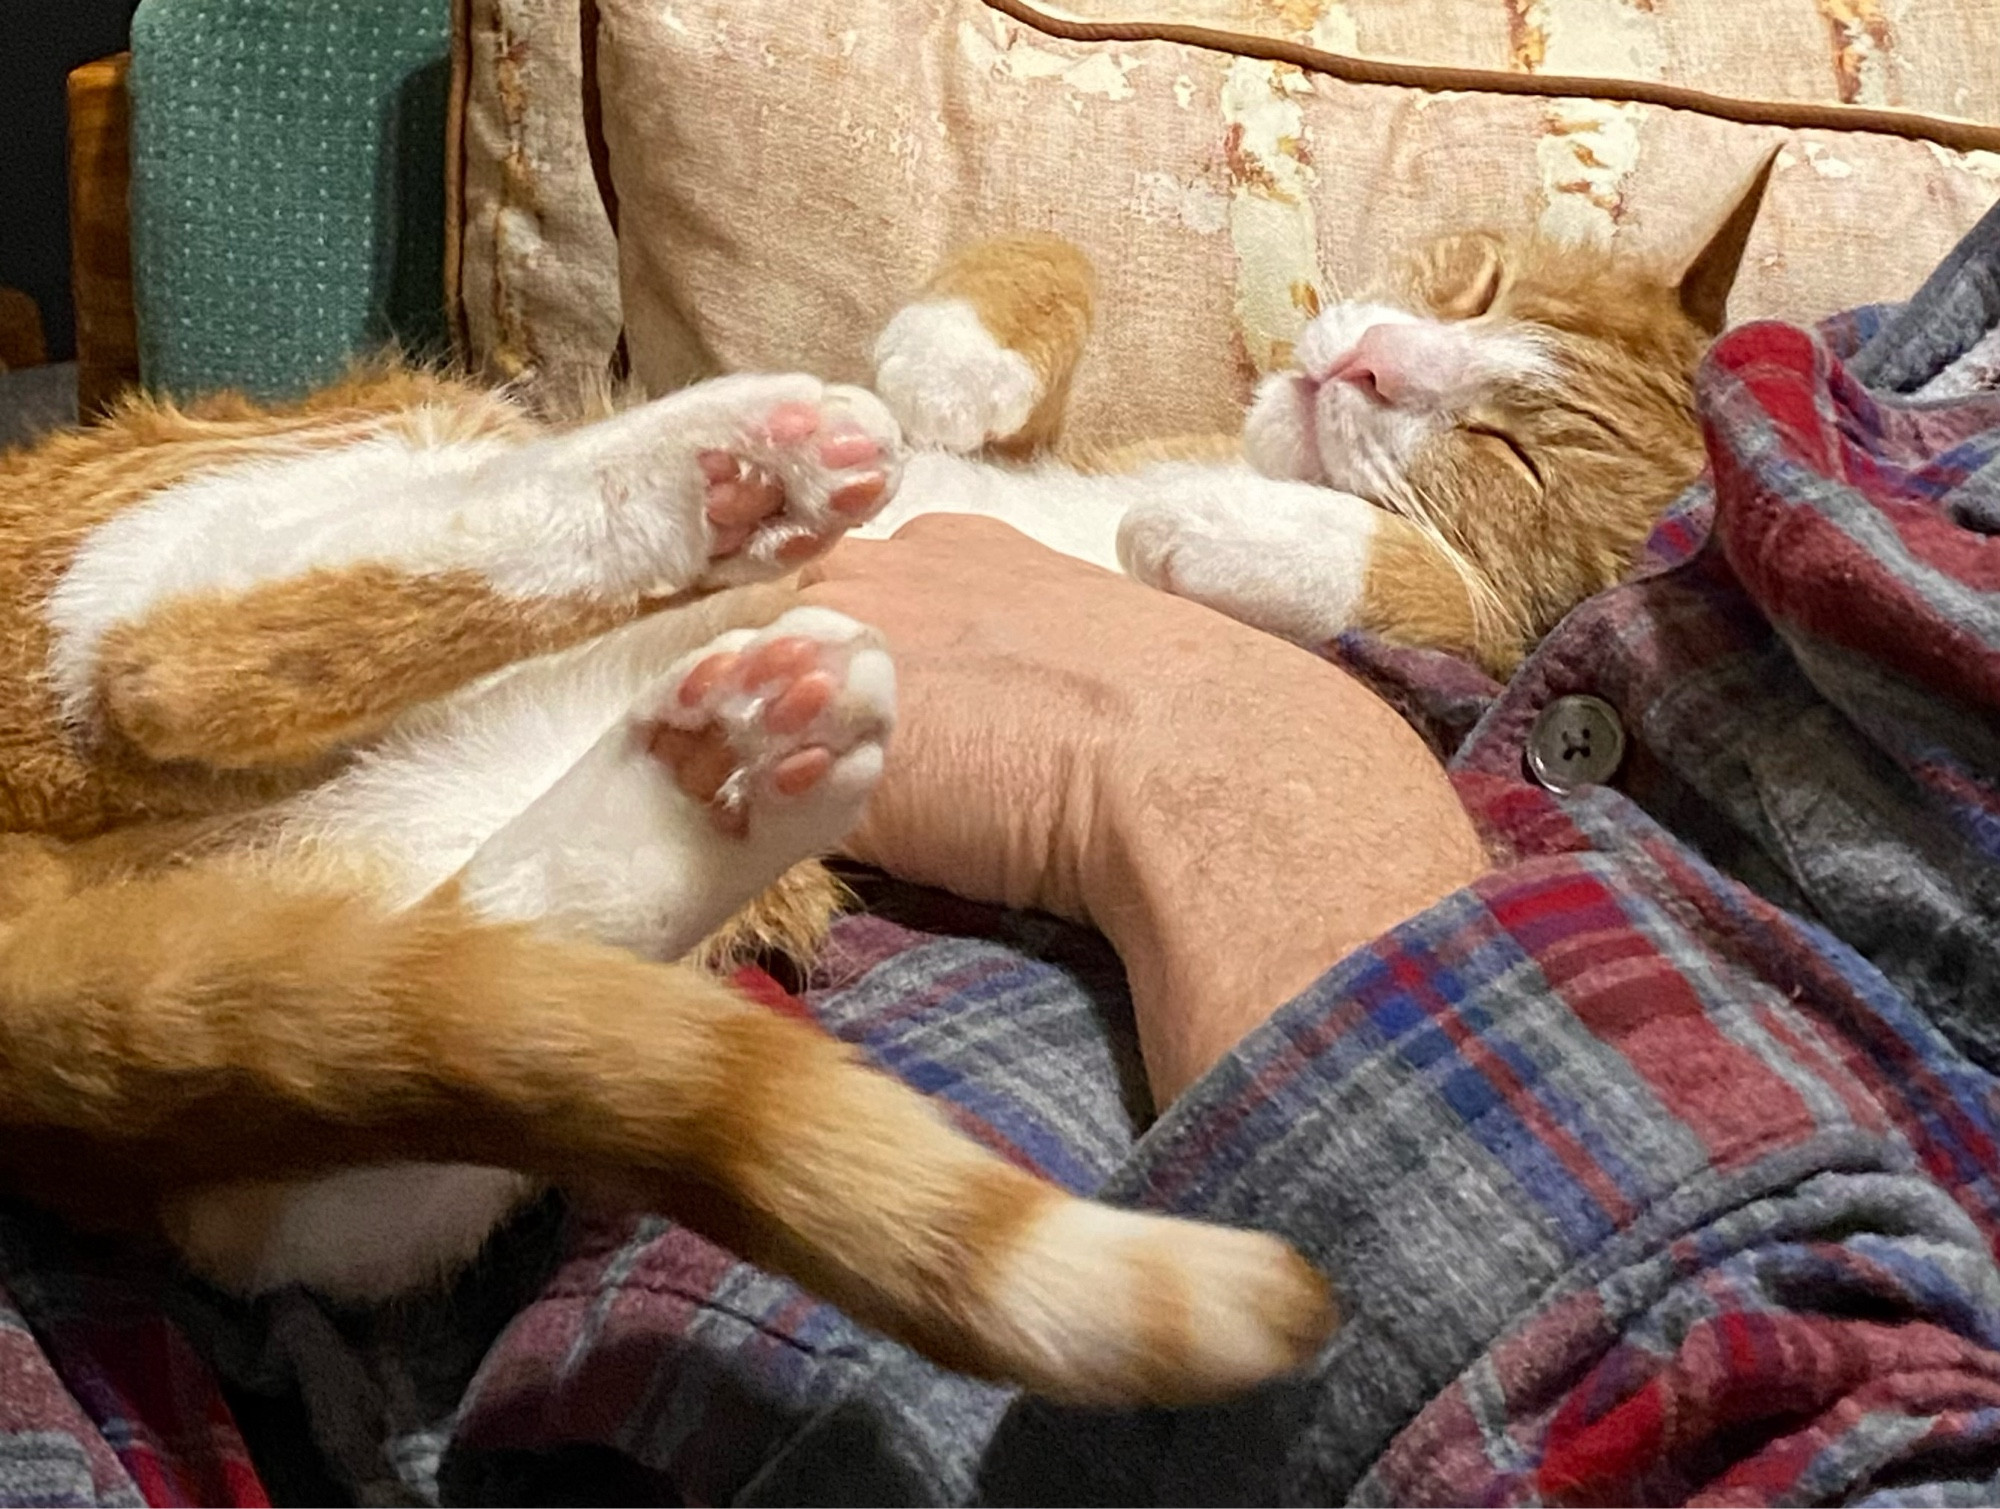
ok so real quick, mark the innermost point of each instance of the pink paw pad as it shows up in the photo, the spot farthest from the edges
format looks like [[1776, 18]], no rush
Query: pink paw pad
[[789, 423], [746, 496], [772, 695]]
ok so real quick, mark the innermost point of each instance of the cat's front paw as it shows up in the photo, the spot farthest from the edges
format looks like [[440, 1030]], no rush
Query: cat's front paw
[[1289, 558], [790, 465], [779, 733], [949, 381]]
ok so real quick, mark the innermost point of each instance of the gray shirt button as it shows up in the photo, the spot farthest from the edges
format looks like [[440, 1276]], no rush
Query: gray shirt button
[[1576, 741]]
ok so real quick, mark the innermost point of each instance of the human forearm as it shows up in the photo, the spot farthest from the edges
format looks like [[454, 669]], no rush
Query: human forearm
[[1246, 854], [1231, 811]]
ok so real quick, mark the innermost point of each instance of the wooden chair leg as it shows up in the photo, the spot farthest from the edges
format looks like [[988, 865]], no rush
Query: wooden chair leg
[[21, 339], [100, 225]]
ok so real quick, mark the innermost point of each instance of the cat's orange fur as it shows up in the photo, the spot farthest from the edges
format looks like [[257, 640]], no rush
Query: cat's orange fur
[[1547, 495], [180, 1009], [220, 706]]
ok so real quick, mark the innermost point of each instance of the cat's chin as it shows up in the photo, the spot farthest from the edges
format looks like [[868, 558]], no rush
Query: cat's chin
[[1332, 435], [1366, 447]]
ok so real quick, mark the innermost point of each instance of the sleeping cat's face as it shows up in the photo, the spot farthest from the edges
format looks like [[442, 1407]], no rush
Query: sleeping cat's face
[[1529, 403], [1506, 365]]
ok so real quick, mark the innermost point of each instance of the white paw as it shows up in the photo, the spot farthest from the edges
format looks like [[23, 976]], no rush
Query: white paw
[[735, 480], [1109, 1307], [950, 383], [1286, 557], [750, 754], [780, 729], [787, 465]]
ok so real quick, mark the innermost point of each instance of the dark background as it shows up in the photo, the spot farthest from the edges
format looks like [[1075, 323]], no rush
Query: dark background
[[40, 42]]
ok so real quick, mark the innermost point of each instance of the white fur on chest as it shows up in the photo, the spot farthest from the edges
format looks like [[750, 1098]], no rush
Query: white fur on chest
[[1069, 513]]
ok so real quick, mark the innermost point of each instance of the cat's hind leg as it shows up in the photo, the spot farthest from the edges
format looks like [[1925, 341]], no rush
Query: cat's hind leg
[[739, 760], [276, 609], [721, 769], [554, 792]]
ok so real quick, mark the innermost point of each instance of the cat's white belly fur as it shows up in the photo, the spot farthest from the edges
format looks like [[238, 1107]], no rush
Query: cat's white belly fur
[[1076, 515], [1081, 515], [359, 1236]]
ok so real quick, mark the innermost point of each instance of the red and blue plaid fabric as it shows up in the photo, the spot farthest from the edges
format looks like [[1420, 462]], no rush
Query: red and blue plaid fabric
[[102, 1398], [1660, 1166]]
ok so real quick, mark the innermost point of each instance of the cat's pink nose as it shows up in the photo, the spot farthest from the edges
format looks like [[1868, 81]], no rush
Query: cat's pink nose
[[1353, 368], [1401, 364]]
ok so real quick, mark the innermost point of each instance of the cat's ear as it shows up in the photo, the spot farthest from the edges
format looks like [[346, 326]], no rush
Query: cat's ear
[[1458, 277], [1704, 283]]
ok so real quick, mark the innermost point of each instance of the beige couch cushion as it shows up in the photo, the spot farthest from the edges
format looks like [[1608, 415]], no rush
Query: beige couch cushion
[[533, 275], [786, 174], [1937, 56]]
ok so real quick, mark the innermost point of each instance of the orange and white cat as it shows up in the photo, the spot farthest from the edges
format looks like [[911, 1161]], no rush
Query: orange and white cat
[[1453, 463], [364, 767]]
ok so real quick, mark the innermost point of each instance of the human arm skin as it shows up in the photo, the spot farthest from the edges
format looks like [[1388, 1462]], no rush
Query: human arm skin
[[1233, 813]]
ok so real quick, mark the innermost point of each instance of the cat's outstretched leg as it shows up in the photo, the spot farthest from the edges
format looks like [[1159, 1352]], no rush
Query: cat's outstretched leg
[[270, 611], [983, 357], [743, 758], [222, 1024], [1307, 562]]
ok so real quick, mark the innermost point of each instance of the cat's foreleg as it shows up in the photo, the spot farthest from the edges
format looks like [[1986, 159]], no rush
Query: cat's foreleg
[[1291, 558], [271, 611], [1307, 562]]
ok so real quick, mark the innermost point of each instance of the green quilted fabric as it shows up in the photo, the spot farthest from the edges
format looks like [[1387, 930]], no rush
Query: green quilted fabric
[[287, 187]]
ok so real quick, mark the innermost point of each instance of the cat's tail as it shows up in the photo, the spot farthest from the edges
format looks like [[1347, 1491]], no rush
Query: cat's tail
[[982, 358], [206, 1025]]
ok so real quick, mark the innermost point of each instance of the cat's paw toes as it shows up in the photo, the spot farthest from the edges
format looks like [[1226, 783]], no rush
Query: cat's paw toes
[[948, 381], [1183, 549], [803, 463], [746, 756], [780, 729]]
